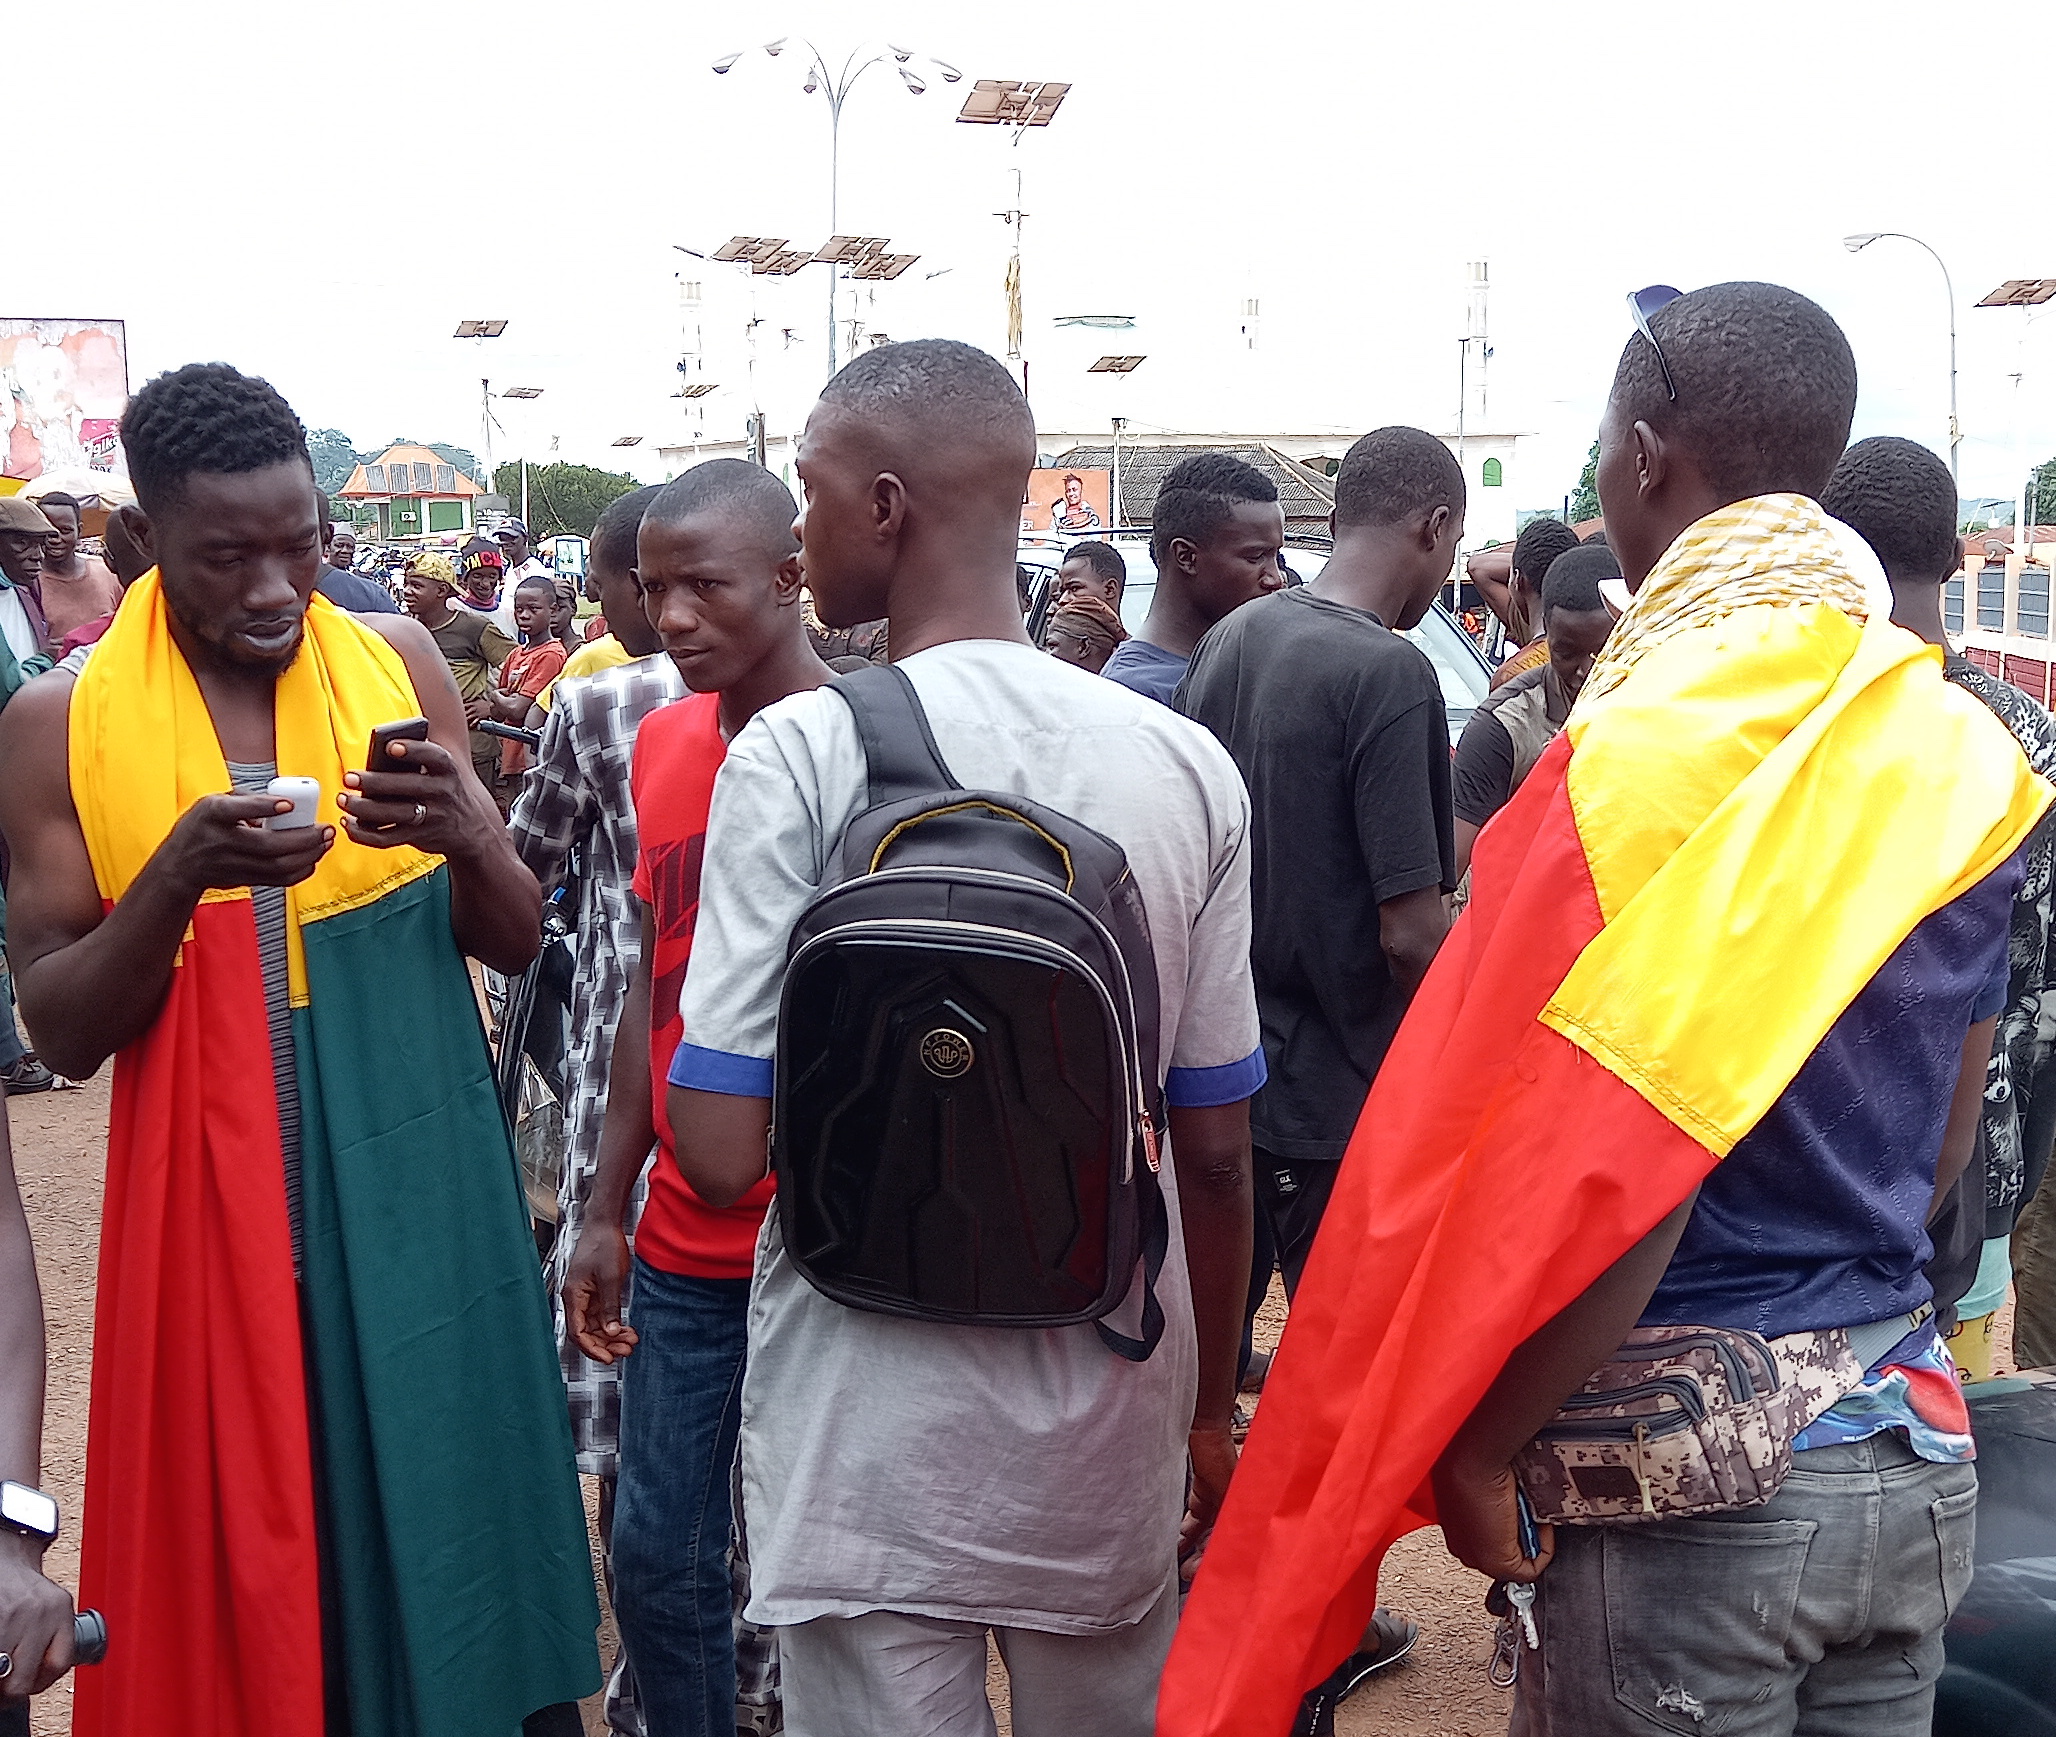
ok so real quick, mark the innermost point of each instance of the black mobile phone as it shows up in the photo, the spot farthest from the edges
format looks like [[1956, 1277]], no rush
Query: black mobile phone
[[378, 759]]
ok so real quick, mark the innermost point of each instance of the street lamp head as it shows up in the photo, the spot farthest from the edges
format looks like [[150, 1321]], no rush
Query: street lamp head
[[811, 86], [950, 75], [1857, 243], [774, 49], [902, 55], [726, 61], [911, 80]]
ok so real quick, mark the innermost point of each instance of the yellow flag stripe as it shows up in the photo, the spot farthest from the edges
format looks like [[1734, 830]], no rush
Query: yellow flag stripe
[[1769, 805], [143, 750]]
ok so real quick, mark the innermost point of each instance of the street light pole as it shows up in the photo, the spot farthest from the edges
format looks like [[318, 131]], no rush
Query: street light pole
[[1856, 244], [835, 89]]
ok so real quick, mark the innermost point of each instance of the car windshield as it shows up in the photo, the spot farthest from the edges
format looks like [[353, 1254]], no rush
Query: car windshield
[[1461, 669]]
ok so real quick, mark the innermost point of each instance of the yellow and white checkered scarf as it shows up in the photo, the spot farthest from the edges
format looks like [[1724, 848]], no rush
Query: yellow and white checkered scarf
[[1768, 549]]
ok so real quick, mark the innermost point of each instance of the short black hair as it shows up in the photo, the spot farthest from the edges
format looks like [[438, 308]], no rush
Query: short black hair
[[208, 419], [1899, 497], [1199, 495], [1105, 558], [1541, 541], [943, 379], [1394, 474], [1766, 387], [547, 580], [731, 485], [613, 538], [57, 498], [1574, 577]]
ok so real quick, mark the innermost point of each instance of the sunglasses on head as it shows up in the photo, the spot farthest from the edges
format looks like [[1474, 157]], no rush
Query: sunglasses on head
[[1643, 304]]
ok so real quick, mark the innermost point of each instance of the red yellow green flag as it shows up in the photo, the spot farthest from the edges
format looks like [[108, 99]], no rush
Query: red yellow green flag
[[1763, 789], [347, 1503]]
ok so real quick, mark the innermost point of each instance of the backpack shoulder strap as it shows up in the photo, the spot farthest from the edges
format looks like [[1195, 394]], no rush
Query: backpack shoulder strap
[[899, 748]]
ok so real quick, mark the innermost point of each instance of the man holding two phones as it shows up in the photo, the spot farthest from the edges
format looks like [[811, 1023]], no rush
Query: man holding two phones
[[329, 1480]]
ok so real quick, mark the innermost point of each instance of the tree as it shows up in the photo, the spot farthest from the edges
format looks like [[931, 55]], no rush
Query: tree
[[2042, 504], [563, 497], [333, 458], [1585, 502]]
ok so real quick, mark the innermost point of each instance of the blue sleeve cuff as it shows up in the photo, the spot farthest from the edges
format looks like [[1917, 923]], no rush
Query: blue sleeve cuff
[[1207, 1088], [715, 1070]]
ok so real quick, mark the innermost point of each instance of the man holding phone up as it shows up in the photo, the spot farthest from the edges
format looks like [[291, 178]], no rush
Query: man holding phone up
[[329, 1481]]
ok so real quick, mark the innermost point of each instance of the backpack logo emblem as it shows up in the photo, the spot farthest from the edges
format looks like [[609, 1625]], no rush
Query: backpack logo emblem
[[946, 1054]]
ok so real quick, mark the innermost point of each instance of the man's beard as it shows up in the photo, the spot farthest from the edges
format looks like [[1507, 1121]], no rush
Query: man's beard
[[226, 653]]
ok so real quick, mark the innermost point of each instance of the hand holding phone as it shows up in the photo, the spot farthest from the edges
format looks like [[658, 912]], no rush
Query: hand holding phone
[[380, 758]]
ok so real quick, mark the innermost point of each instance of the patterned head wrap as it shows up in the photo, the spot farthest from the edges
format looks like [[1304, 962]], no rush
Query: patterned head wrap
[[436, 569], [1092, 619]]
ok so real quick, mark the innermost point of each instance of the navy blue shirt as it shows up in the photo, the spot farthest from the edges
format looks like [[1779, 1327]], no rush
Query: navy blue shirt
[[352, 591], [1818, 1217], [1149, 670]]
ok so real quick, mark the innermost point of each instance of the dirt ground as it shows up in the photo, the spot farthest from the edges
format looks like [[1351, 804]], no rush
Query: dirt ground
[[59, 1146]]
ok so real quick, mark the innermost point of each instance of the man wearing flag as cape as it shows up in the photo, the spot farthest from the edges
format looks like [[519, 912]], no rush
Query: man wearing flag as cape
[[329, 1483], [1721, 996]]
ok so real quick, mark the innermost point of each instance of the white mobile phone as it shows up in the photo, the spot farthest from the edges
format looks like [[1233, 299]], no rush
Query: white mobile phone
[[305, 796]]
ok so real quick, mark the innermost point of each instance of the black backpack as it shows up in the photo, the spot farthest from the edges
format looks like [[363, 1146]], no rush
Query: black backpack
[[964, 1124]]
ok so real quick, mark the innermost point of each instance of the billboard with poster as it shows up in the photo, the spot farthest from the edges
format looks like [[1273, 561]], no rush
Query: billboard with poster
[[1068, 500], [63, 387]]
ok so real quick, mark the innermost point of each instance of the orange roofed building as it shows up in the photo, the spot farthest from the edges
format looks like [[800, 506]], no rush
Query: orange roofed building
[[416, 493]]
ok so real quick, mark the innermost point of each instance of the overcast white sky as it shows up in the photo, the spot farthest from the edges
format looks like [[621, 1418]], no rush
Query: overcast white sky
[[320, 195]]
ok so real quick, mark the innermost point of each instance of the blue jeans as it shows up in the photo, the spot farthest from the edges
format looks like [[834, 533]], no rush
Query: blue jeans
[[681, 1409]]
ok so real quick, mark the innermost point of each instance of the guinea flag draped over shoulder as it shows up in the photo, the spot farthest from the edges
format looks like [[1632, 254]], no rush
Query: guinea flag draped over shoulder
[[1762, 790], [370, 1470]]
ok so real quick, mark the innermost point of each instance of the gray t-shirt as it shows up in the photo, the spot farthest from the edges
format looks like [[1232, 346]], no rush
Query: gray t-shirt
[[1023, 1477]]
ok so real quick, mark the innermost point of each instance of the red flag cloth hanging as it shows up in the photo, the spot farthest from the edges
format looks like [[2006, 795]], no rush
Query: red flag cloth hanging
[[199, 1540]]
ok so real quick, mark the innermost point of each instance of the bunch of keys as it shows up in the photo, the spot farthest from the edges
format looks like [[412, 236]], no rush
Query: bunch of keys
[[1513, 1602]]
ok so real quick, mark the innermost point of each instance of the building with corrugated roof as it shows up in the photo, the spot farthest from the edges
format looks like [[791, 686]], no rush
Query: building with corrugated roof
[[416, 493]]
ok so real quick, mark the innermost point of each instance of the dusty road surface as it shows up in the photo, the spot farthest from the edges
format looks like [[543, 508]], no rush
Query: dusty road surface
[[59, 1148]]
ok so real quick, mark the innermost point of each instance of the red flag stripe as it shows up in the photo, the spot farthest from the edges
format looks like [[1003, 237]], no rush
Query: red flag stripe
[[1494, 1162], [199, 1542]]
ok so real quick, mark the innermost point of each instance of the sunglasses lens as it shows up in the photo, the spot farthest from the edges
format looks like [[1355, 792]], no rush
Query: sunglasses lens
[[1646, 301]]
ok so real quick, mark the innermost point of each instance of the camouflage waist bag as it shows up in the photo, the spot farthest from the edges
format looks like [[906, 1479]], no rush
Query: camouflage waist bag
[[1692, 1420]]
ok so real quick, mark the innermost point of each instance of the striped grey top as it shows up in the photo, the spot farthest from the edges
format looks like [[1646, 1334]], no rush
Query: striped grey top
[[269, 907]]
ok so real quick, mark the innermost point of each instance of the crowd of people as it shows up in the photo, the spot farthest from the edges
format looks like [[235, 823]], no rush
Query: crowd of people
[[1639, 1101]]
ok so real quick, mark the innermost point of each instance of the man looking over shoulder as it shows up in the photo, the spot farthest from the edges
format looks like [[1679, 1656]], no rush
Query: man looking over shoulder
[[328, 1474], [914, 1486], [1506, 735], [719, 568], [1215, 536]]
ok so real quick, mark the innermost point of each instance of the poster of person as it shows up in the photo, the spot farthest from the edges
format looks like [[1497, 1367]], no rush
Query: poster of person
[[63, 387], [1068, 500]]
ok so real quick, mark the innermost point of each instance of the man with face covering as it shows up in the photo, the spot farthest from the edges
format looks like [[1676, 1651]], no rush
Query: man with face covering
[[329, 1481]]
